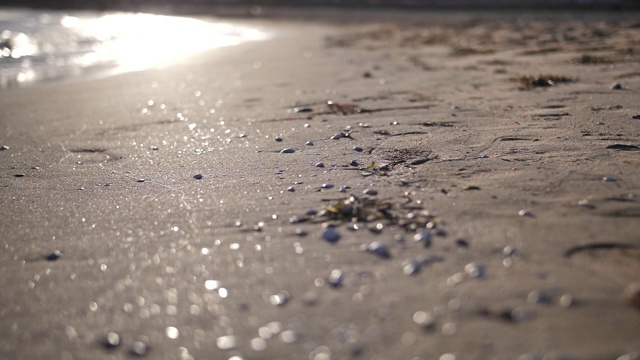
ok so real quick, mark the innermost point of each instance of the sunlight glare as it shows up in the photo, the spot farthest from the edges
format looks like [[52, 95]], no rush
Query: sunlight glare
[[136, 42]]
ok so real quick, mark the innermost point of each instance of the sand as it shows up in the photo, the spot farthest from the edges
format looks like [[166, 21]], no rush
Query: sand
[[536, 186]]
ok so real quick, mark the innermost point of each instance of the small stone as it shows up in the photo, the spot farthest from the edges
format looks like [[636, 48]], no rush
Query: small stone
[[337, 136], [629, 356], [370, 192], [567, 300], [279, 299], [394, 123], [358, 149], [53, 256], [319, 165], [344, 189], [111, 340], [291, 189], [379, 249], [425, 319], [278, 139], [331, 235], [423, 237], [631, 294], [287, 151], [307, 125], [335, 278], [312, 212], [411, 267], [309, 143], [197, 176], [301, 232], [474, 270], [226, 342], [19, 175], [484, 156], [538, 297], [616, 86], [140, 180], [508, 250], [302, 109], [154, 148], [524, 212], [327, 186], [353, 163], [609, 179], [289, 336], [4, 147], [462, 243], [139, 348]]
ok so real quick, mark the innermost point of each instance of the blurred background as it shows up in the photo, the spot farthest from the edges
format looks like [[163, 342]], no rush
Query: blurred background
[[176, 4]]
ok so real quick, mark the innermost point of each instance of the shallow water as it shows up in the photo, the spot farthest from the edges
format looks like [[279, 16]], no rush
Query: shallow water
[[37, 46]]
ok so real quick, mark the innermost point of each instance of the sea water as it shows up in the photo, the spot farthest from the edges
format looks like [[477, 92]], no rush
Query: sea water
[[38, 46]]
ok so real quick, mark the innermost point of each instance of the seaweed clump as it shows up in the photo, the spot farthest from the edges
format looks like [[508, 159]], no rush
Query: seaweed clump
[[528, 82]]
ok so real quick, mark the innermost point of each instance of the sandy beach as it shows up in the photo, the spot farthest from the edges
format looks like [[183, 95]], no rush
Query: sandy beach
[[371, 186]]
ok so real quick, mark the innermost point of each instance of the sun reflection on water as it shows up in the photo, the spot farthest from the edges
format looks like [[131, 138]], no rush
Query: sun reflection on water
[[36, 46], [141, 41]]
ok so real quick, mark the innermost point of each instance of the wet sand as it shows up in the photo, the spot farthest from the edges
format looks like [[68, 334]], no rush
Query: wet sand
[[501, 136]]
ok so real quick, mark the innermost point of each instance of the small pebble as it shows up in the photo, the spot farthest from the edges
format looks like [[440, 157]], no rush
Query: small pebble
[[423, 237], [309, 143], [609, 179], [474, 270], [567, 300], [139, 348], [616, 86], [289, 336], [484, 156], [394, 123], [538, 297], [279, 299], [629, 356], [319, 165], [197, 176], [327, 186], [226, 342], [53, 256], [370, 192], [140, 180], [335, 278], [344, 189], [19, 175], [111, 340], [379, 249], [353, 163], [291, 189], [4, 147], [358, 149], [301, 232], [154, 148], [302, 109], [411, 267], [631, 294], [462, 243], [337, 136], [287, 151], [508, 250], [331, 235], [425, 319], [307, 125], [312, 212], [278, 139], [524, 212]]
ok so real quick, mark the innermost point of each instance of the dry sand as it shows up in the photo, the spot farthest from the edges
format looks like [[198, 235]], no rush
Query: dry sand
[[446, 129]]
